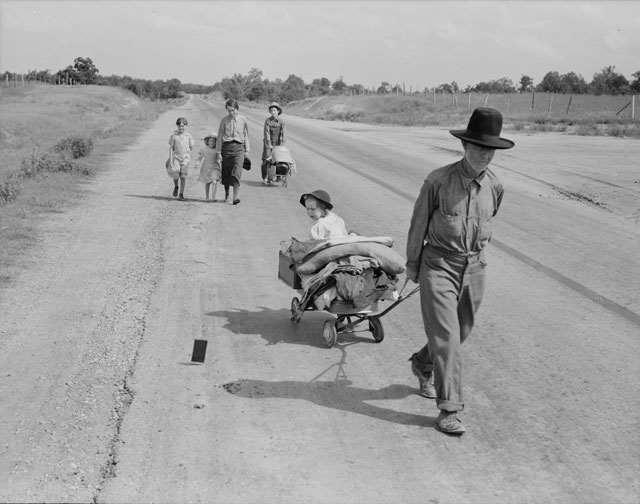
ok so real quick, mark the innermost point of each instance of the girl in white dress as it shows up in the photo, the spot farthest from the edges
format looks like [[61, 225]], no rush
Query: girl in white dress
[[209, 168]]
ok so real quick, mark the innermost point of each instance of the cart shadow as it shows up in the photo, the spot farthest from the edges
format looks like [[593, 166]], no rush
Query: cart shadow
[[338, 394], [275, 326]]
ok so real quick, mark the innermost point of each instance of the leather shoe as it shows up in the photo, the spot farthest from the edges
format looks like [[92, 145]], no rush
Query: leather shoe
[[449, 423], [425, 379], [175, 191]]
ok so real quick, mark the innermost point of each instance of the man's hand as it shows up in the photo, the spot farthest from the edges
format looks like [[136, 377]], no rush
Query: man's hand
[[412, 274]]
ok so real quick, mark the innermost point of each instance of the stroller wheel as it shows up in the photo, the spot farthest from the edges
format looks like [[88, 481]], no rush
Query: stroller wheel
[[330, 333], [295, 310], [377, 331]]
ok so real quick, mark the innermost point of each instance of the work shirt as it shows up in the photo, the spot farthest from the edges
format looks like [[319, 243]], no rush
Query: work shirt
[[181, 145], [453, 212], [273, 132], [233, 129]]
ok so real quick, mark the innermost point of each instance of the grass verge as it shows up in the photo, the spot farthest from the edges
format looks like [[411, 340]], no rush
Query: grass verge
[[54, 139], [584, 115]]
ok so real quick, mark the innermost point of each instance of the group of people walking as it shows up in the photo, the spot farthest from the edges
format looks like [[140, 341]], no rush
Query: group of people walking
[[225, 154], [449, 231]]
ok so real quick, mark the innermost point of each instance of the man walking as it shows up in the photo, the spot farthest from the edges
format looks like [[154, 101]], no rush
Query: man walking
[[450, 228]]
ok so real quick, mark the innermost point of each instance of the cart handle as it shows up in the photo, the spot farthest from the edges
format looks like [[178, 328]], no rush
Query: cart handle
[[397, 301]]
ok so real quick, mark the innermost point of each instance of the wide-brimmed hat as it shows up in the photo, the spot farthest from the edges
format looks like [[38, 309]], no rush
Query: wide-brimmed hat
[[210, 135], [276, 105], [320, 195], [484, 129]]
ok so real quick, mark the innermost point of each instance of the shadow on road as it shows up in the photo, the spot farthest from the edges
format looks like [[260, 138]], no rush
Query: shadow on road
[[275, 326], [171, 198], [337, 394]]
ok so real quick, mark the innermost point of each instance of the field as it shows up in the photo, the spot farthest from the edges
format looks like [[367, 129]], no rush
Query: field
[[579, 114], [33, 120]]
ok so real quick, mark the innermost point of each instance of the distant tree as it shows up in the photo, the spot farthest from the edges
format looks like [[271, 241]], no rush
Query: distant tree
[[66, 76], [292, 89], [608, 81], [86, 71], [383, 88], [573, 83], [502, 85], [320, 87], [550, 83], [339, 86], [357, 89], [526, 84], [635, 84], [444, 88]]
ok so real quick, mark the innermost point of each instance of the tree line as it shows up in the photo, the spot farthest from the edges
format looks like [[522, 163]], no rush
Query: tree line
[[253, 87], [83, 72]]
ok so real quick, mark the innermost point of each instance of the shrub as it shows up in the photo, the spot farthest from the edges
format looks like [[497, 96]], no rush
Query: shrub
[[52, 162], [9, 188], [76, 146]]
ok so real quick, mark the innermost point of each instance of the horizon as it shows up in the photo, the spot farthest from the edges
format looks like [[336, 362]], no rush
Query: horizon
[[362, 42]]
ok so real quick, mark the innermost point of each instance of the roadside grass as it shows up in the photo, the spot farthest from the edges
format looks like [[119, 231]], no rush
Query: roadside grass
[[542, 112], [54, 139]]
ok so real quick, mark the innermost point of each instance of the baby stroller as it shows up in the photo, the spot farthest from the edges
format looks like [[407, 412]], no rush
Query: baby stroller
[[280, 166], [351, 277]]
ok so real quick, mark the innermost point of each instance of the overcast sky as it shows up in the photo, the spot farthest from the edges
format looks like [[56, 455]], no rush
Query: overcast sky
[[419, 43]]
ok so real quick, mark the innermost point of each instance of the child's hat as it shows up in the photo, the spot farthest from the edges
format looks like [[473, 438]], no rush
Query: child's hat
[[320, 195], [276, 105], [210, 135]]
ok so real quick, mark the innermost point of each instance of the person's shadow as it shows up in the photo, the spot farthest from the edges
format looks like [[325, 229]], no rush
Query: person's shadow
[[275, 326], [171, 198], [338, 394]]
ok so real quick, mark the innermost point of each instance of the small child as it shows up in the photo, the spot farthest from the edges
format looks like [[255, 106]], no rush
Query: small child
[[327, 224], [209, 169], [180, 146]]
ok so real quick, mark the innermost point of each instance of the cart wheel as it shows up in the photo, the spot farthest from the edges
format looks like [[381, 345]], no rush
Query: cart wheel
[[377, 331], [330, 333], [295, 310]]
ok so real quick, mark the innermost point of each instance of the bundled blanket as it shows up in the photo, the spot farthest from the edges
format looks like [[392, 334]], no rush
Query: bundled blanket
[[313, 255], [358, 270]]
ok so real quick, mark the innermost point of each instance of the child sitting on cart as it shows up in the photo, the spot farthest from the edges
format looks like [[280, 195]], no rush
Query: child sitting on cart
[[327, 224]]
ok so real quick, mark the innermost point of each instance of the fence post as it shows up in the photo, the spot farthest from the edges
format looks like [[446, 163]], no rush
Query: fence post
[[469, 101], [486, 99], [569, 105], [434, 96], [633, 107], [533, 98], [550, 101]]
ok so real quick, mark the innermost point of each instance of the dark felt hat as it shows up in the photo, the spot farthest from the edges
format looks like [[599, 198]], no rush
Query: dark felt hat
[[276, 105], [320, 195], [484, 129]]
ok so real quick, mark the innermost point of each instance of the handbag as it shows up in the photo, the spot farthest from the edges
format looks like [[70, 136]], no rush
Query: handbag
[[246, 164]]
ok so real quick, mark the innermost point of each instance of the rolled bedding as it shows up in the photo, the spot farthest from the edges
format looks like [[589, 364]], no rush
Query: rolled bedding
[[389, 260]]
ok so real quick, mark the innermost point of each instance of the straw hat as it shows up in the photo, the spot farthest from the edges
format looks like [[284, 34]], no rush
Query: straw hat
[[276, 105], [210, 135]]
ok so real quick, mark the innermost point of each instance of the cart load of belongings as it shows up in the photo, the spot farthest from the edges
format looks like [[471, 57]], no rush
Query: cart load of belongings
[[281, 160], [358, 271]]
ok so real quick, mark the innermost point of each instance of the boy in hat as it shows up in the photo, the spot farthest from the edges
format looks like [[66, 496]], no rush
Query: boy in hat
[[272, 135], [450, 228]]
